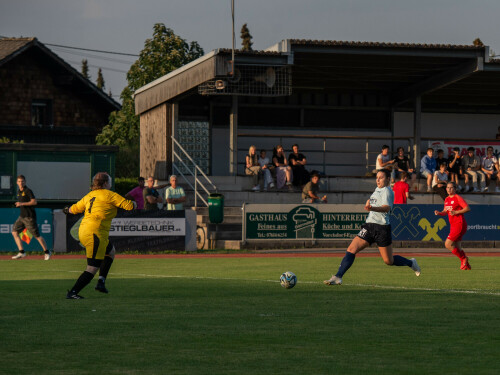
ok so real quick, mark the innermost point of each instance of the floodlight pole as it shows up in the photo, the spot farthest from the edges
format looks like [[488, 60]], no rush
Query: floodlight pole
[[233, 117]]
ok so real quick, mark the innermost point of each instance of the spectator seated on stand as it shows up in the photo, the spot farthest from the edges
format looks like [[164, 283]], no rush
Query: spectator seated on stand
[[440, 159], [471, 165], [297, 162], [428, 167], [491, 168], [253, 168], [283, 171], [455, 167], [384, 161], [440, 180], [311, 189], [266, 170], [402, 164]]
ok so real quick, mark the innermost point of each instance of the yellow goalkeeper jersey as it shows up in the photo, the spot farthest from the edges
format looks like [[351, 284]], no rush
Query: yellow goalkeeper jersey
[[100, 208]]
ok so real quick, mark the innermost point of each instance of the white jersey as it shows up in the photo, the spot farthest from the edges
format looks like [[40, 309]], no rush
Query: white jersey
[[381, 197]]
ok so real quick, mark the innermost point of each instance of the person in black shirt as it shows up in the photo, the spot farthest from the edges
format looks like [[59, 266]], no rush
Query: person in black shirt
[[402, 164], [27, 219], [151, 194], [441, 159], [455, 167], [298, 161]]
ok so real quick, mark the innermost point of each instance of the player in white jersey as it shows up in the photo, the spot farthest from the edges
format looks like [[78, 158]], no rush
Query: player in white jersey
[[377, 229]]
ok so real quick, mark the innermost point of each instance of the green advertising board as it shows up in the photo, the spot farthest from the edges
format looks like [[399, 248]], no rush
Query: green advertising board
[[289, 222]]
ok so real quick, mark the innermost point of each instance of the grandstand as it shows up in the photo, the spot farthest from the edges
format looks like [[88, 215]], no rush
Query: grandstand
[[339, 100]]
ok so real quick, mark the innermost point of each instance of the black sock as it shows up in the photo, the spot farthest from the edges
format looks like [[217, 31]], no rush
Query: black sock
[[105, 266], [21, 251], [84, 279]]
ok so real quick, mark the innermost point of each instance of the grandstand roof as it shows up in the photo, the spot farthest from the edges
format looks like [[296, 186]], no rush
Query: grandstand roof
[[447, 77]]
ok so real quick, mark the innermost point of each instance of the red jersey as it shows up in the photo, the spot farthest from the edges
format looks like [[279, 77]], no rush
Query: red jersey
[[455, 203], [400, 189]]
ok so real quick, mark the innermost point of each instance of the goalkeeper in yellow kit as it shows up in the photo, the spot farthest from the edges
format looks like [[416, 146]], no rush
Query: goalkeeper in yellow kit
[[99, 206]]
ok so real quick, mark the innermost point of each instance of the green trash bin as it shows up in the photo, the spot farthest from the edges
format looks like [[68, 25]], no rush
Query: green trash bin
[[216, 208]]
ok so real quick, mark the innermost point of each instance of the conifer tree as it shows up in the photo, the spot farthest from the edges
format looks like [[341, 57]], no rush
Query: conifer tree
[[85, 68], [100, 80], [246, 41]]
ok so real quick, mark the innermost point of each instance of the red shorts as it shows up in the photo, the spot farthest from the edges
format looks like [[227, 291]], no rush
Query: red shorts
[[457, 231]]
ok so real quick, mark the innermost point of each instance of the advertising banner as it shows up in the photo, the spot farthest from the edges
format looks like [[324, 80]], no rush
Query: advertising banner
[[290, 222], [408, 222], [8, 216], [418, 223], [480, 147], [137, 230]]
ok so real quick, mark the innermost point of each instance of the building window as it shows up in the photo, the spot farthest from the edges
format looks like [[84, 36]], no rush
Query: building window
[[41, 112]]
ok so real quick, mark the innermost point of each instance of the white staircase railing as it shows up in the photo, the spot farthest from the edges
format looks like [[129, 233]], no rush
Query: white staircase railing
[[197, 172]]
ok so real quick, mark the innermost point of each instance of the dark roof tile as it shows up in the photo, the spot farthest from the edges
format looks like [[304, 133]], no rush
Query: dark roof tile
[[329, 43]]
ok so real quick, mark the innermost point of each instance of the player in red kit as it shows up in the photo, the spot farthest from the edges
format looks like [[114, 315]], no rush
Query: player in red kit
[[455, 207]]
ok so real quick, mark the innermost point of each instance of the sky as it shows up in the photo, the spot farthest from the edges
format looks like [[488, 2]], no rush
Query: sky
[[124, 25]]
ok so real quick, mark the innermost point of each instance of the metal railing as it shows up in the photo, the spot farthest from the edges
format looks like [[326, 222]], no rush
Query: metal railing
[[368, 163], [196, 173]]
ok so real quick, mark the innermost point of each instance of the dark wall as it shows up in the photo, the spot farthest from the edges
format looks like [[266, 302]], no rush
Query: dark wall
[[75, 109]]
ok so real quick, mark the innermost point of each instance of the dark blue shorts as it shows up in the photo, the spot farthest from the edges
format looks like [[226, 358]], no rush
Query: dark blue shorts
[[376, 233]]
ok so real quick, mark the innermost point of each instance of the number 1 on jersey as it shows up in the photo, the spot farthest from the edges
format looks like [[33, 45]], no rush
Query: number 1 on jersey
[[91, 203]]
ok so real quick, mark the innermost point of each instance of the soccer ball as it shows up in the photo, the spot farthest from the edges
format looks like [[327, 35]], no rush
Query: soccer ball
[[288, 280]]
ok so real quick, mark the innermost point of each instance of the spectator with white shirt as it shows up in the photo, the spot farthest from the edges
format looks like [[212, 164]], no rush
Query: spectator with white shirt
[[490, 168]]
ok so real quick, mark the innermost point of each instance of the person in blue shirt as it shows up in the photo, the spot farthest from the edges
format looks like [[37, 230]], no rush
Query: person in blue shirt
[[428, 167], [377, 229]]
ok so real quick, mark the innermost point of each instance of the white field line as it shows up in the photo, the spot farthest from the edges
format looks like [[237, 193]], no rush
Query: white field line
[[473, 291]]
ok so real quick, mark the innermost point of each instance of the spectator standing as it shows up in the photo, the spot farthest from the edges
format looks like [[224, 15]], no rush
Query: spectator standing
[[427, 167], [402, 164], [136, 194], [401, 189], [455, 167], [310, 191], [440, 180], [472, 168], [264, 165], [174, 195], [151, 194], [490, 168], [26, 202], [298, 162], [253, 168], [283, 171]]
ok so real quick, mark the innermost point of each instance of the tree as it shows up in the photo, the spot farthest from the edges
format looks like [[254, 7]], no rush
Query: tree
[[8, 140], [100, 80], [85, 69], [161, 54], [478, 42], [246, 38]]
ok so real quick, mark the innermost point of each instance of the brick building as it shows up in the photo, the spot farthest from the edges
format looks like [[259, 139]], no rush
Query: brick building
[[45, 100]]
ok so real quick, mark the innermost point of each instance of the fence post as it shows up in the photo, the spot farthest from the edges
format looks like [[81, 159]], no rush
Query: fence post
[[195, 187], [367, 158], [324, 156]]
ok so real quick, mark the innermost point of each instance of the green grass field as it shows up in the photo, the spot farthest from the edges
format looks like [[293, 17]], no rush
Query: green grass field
[[230, 316]]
